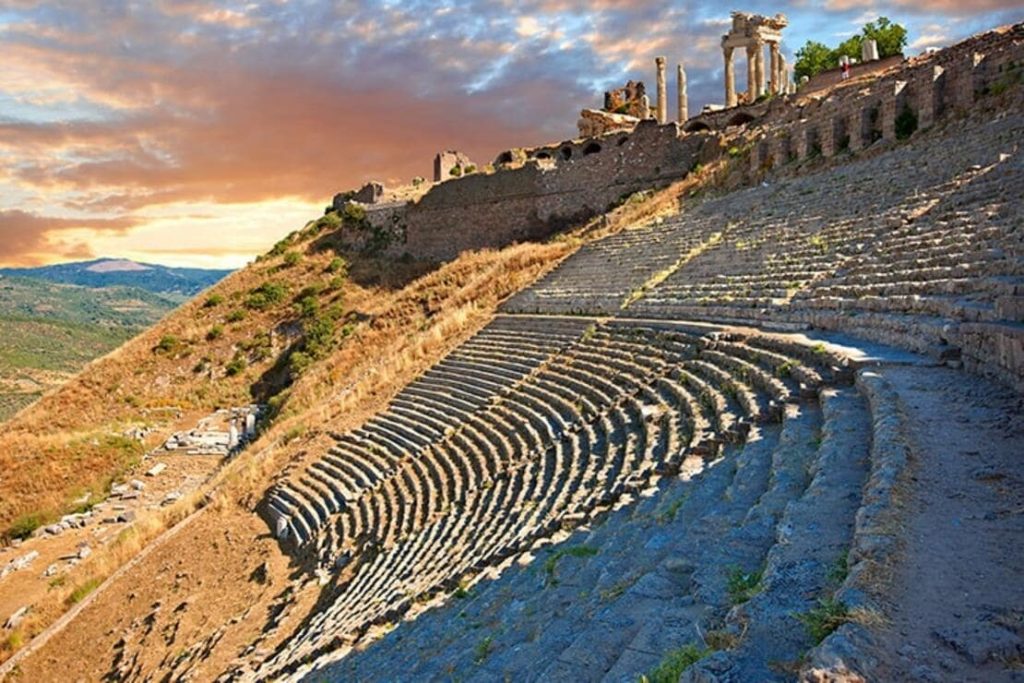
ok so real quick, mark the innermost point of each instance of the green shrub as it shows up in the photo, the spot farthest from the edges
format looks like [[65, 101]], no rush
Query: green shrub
[[237, 366], [353, 213], [266, 295], [216, 332], [674, 663], [168, 344], [237, 315], [292, 258], [299, 362], [456, 172], [338, 266], [24, 526], [471, 168], [309, 306], [213, 300]]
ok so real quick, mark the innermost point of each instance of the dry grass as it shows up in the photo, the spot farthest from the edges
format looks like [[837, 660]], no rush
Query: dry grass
[[405, 330]]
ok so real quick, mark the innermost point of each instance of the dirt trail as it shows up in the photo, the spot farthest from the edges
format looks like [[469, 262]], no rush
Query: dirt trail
[[957, 596]]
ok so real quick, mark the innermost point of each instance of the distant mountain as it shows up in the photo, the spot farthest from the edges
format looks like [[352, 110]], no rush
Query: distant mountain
[[177, 283]]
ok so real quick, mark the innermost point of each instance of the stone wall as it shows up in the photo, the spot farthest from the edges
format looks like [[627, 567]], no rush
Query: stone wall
[[929, 87], [827, 79], [555, 186]]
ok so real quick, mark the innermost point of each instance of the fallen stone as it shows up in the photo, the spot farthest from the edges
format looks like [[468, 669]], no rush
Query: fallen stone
[[172, 497], [84, 551], [16, 618], [127, 516], [138, 485], [156, 469]]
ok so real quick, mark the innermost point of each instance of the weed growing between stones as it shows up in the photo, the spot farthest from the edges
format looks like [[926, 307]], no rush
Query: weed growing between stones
[[483, 648], [823, 619], [675, 663], [551, 564], [741, 585]]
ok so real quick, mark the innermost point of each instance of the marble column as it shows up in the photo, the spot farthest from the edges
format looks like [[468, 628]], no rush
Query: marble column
[[683, 112], [759, 70], [774, 73], [730, 78], [659, 62], [751, 72]]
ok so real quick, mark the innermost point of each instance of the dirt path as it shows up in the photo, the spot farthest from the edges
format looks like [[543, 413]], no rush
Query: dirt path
[[958, 592]]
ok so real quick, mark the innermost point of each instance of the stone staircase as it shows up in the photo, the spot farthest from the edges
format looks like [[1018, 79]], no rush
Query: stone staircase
[[610, 602]]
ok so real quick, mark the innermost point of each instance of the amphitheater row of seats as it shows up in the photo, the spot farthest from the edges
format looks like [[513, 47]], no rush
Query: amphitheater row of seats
[[896, 248], [534, 425]]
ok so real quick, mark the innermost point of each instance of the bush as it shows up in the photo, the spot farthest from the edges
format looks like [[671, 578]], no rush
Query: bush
[[309, 306], [266, 295], [213, 300], [236, 316], [456, 172], [338, 266], [168, 344], [353, 213], [24, 526], [299, 362], [292, 258], [216, 332], [236, 367]]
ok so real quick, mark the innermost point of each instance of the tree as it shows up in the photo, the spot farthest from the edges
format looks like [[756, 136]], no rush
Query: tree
[[811, 59], [891, 38], [814, 57]]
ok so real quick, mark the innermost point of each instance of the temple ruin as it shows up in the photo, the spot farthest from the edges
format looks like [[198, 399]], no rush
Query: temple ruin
[[752, 32]]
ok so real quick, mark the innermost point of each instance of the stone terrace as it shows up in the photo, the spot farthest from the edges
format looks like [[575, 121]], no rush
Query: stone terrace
[[921, 247]]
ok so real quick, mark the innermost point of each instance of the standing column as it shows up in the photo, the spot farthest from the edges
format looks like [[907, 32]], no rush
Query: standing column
[[759, 71], [730, 78], [681, 84], [659, 62], [751, 73], [774, 77]]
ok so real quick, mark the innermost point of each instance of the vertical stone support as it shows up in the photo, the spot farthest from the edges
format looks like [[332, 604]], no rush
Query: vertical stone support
[[800, 140], [775, 68], [751, 72], [929, 96], [778, 149], [659, 62], [759, 70], [730, 78], [684, 110], [827, 138], [891, 102], [966, 81], [855, 126], [756, 157]]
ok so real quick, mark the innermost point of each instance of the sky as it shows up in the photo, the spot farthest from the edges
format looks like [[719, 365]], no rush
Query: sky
[[199, 132]]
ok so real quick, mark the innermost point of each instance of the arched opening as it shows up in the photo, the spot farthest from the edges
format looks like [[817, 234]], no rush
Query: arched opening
[[696, 126], [623, 140], [592, 148], [567, 153], [740, 119], [542, 155], [504, 158]]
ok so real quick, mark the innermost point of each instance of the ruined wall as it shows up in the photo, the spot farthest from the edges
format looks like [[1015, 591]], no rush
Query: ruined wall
[[557, 185], [927, 89], [831, 77]]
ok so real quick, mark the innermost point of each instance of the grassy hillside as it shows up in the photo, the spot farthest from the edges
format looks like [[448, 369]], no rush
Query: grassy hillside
[[48, 332], [310, 320]]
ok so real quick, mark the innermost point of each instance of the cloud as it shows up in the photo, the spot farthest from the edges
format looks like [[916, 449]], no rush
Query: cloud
[[120, 111], [28, 234]]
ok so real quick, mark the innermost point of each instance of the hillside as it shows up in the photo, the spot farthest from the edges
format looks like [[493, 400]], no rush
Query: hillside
[[176, 284], [48, 332], [760, 421]]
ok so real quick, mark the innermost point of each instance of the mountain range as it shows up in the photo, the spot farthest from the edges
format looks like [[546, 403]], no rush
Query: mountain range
[[177, 284]]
